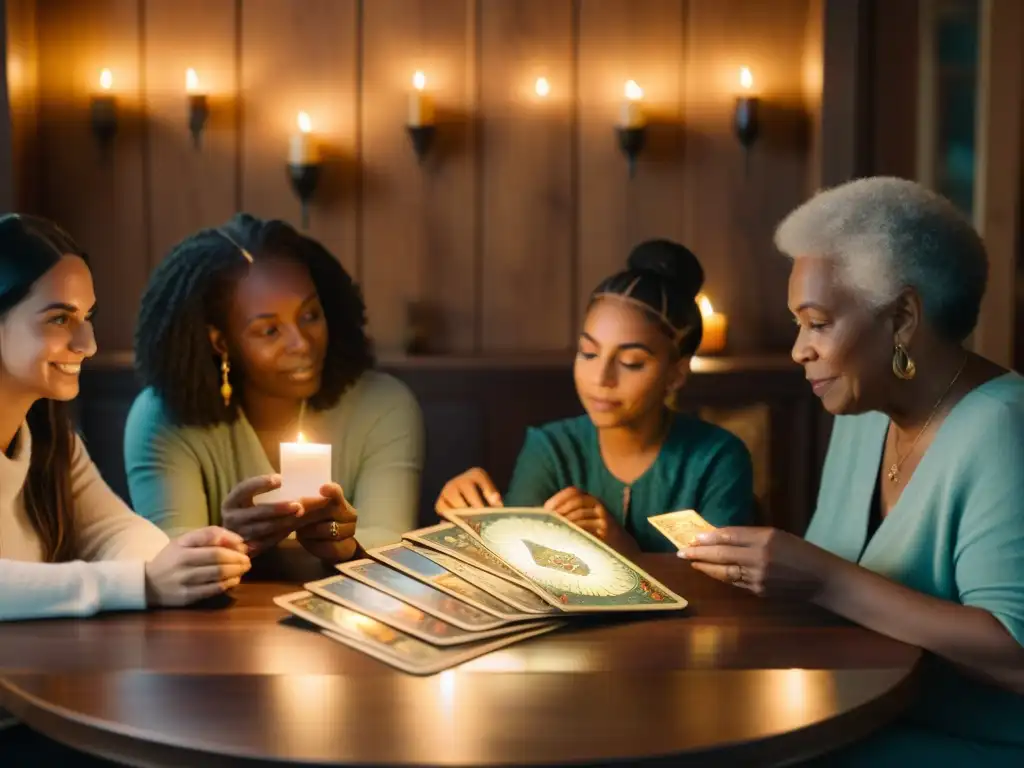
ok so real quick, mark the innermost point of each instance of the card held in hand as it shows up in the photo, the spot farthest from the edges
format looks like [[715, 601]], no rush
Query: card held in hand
[[680, 527]]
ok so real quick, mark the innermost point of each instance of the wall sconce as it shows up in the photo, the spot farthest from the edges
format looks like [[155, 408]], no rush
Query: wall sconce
[[198, 107], [420, 124], [304, 164], [632, 128], [103, 110], [746, 110]]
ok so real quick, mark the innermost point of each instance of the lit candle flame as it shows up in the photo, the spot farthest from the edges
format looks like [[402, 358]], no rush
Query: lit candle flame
[[633, 91], [106, 79], [301, 438], [705, 306], [746, 79], [305, 124], [542, 87], [191, 80], [419, 81]]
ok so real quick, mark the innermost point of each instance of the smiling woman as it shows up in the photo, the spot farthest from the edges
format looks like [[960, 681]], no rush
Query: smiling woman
[[240, 328], [631, 456]]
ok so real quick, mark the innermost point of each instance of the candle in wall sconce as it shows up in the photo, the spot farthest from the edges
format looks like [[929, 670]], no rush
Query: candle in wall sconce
[[715, 328], [103, 110], [304, 163], [420, 122], [542, 87], [632, 127], [198, 106], [745, 118]]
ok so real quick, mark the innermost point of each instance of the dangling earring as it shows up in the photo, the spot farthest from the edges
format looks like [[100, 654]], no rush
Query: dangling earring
[[902, 365], [225, 385]]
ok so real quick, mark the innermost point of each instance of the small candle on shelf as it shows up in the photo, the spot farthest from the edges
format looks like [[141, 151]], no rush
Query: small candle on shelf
[[715, 326], [421, 109], [632, 110], [305, 467], [302, 149]]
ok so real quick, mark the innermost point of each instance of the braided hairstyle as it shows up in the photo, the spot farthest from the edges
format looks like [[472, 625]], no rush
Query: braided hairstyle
[[30, 247], [191, 289], [663, 279]]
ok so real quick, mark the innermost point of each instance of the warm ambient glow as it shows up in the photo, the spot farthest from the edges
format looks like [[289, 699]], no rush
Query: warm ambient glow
[[705, 306], [106, 80], [633, 91], [304, 123], [419, 81], [301, 438], [191, 80], [542, 87], [746, 79]]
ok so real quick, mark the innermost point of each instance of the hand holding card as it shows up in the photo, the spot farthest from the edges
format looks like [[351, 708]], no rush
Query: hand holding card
[[680, 527]]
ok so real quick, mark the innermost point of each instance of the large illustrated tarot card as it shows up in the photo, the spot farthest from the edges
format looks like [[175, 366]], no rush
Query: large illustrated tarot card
[[573, 569]]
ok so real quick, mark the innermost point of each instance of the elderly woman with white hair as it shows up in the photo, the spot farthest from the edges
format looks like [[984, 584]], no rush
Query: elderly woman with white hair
[[919, 528]]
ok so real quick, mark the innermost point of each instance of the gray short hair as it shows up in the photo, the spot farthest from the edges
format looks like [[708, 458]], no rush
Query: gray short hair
[[888, 234]]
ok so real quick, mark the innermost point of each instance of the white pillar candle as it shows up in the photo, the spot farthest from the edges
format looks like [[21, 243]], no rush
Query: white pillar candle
[[305, 467], [302, 149]]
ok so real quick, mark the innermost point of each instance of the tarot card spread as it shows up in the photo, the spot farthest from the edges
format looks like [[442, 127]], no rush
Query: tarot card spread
[[388, 644], [680, 527], [423, 568], [402, 616], [452, 540], [574, 570], [423, 596]]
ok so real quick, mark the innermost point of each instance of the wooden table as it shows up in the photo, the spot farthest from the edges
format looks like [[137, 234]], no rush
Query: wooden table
[[735, 679]]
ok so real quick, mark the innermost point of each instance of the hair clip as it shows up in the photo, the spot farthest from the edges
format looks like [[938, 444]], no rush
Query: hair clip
[[230, 239]]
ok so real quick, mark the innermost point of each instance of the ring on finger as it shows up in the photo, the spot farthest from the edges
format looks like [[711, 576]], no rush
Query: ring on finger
[[735, 574], [334, 529]]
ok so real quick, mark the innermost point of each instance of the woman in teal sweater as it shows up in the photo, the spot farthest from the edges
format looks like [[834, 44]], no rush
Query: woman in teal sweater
[[248, 335], [632, 455], [919, 530]]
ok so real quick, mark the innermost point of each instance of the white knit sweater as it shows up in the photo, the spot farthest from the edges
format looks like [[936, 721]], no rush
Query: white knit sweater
[[113, 546]]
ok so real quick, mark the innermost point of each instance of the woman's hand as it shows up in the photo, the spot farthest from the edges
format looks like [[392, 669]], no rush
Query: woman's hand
[[765, 561], [262, 526], [473, 488], [329, 529], [590, 514], [200, 564]]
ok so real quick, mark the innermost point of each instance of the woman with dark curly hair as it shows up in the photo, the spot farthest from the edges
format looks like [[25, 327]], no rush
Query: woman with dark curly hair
[[244, 332]]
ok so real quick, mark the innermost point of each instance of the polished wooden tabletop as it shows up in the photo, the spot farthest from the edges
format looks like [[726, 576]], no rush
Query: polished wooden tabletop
[[734, 679]]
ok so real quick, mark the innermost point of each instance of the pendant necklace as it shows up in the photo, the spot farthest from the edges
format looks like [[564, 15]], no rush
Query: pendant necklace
[[894, 470]]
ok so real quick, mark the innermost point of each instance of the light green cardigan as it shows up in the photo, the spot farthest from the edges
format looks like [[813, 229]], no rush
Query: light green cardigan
[[178, 477]]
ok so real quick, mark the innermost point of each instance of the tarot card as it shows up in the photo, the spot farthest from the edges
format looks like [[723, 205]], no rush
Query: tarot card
[[455, 542], [680, 527], [573, 570], [414, 564], [390, 645], [391, 611], [423, 596], [518, 597]]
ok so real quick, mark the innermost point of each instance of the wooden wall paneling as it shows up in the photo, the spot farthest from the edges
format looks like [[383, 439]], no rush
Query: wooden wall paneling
[[731, 204], [6, 134], [621, 40], [528, 195], [21, 81], [302, 57], [190, 188], [895, 38], [813, 83], [419, 221], [98, 196]]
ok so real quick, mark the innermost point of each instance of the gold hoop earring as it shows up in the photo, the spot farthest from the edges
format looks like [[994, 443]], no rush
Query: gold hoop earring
[[903, 366], [225, 385]]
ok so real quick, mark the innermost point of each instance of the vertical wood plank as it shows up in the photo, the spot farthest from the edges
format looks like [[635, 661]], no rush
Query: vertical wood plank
[[419, 222], [190, 188], [22, 83], [732, 204], [302, 57], [527, 154], [99, 198], [623, 40]]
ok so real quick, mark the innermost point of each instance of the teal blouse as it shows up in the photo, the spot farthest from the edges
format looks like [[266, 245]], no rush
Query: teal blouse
[[700, 466], [956, 533]]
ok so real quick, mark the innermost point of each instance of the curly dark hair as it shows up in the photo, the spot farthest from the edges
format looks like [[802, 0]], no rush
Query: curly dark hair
[[189, 291]]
